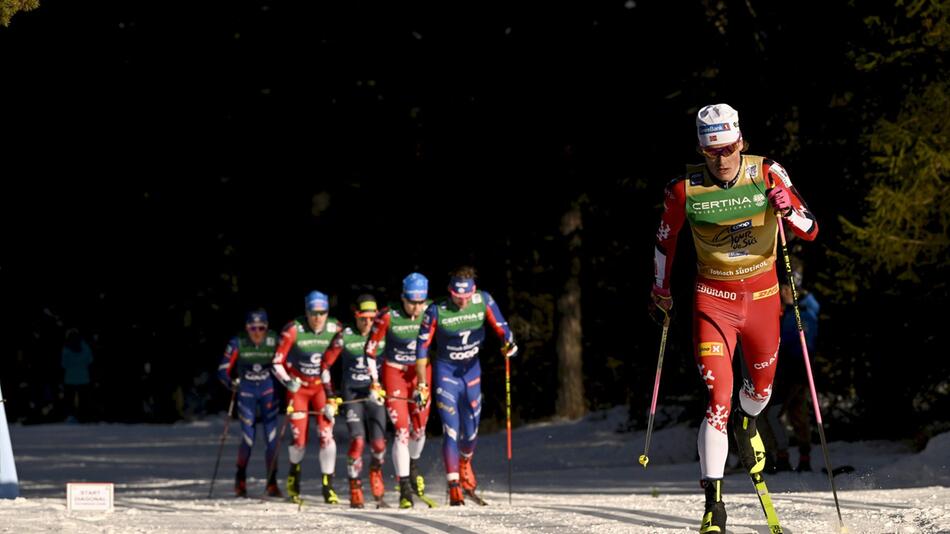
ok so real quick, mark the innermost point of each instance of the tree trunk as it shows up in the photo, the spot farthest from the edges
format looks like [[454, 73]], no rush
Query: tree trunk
[[570, 401]]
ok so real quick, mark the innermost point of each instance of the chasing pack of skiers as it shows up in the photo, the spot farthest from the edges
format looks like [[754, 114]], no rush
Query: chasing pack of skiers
[[371, 388]]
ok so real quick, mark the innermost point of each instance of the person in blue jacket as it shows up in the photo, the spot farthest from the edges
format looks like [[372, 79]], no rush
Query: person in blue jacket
[[791, 395]]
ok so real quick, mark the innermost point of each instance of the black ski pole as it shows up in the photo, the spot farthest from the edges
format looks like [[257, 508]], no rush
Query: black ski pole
[[224, 436]]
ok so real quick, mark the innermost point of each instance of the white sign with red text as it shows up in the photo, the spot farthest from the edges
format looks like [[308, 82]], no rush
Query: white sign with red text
[[89, 496]]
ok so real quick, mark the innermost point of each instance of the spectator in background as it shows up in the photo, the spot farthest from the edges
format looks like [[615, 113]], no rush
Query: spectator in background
[[791, 394], [77, 357]]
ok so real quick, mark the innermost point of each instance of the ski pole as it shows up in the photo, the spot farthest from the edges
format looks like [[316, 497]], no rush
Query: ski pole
[[811, 379], [272, 468], [645, 458], [224, 436], [508, 417]]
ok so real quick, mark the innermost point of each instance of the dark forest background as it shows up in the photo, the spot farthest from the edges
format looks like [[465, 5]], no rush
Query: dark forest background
[[168, 167]]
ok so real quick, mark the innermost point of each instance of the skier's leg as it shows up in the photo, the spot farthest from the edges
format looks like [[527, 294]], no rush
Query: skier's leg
[[714, 343], [300, 400], [471, 406], [354, 422], [760, 340], [398, 411], [247, 406], [418, 416], [327, 446], [451, 389], [269, 407], [376, 421]]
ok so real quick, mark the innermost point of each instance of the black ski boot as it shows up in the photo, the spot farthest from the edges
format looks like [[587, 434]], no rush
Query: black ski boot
[[749, 443], [416, 479], [405, 493], [714, 518], [329, 496], [293, 483], [240, 483]]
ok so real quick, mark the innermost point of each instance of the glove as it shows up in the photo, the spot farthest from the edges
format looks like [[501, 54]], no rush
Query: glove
[[377, 394], [331, 408], [293, 384], [235, 383], [509, 349], [661, 304], [780, 200], [422, 395]]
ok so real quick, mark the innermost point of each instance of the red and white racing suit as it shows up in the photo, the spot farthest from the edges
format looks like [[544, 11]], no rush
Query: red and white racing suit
[[737, 298]]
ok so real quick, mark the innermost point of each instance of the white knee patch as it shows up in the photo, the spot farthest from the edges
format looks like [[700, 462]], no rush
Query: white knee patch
[[295, 454], [752, 401], [713, 447]]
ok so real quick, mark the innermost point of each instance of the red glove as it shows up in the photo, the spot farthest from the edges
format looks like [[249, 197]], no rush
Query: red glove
[[661, 303], [780, 200]]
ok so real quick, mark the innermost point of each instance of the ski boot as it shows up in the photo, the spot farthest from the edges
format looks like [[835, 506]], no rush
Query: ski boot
[[293, 483], [415, 478], [418, 484], [467, 475], [748, 442], [456, 497], [405, 493], [329, 496], [714, 518], [752, 455], [356, 493], [240, 483], [376, 484]]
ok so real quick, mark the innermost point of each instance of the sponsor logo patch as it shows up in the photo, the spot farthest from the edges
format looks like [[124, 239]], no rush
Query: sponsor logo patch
[[710, 128], [710, 348], [765, 293]]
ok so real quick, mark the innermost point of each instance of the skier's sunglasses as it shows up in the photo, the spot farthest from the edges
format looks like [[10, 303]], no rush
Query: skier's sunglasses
[[724, 151], [257, 328]]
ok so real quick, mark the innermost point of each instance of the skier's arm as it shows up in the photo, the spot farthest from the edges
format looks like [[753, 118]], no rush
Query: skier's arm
[[671, 222], [227, 362], [801, 220], [287, 339], [329, 357], [497, 322], [376, 336], [430, 321]]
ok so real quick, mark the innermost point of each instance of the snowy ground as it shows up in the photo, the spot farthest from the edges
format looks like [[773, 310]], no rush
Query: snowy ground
[[567, 477]]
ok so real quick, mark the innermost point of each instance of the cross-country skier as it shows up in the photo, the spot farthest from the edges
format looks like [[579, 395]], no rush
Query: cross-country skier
[[357, 384], [297, 364], [398, 326], [730, 201], [457, 326], [246, 366]]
